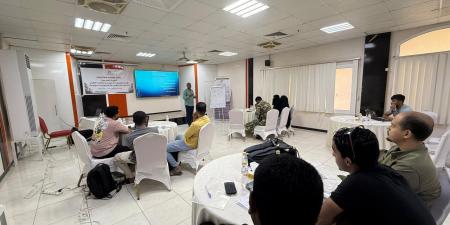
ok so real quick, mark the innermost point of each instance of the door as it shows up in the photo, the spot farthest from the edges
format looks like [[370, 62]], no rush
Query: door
[[45, 91]]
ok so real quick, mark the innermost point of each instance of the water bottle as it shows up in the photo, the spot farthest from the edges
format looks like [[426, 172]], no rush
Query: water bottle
[[167, 117], [244, 168]]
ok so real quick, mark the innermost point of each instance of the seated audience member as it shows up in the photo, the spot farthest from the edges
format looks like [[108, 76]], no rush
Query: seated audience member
[[410, 156], [262, 108], [122, 159], [190, 139], [106, 135], [286, 190], [276, 102], [284, 102], [397, 107], [372, 193]]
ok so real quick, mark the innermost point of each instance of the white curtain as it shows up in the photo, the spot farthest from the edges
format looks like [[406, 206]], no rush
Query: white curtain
[[425, 81], [309, 88]]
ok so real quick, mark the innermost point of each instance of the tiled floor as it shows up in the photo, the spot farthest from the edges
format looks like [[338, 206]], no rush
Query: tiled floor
[[20, 190]]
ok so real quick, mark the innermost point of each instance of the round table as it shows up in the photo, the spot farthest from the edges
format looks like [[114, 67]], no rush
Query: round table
[[249, 115], [210, 179], [166, 128], [378, 127]]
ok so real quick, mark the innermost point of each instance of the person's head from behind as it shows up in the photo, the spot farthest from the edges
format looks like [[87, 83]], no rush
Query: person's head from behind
[[286, 190], [188, 85], [258, 99], [355, 149], [284, 101], [397, 100], [200, 108], [275, 99], [408, 127], [139, 118], [112, 112]]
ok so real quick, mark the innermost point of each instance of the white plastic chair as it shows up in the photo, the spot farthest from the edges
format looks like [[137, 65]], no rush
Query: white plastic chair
[[440, 155], [270, 127], [84, 154], [236, 123], [283, 121], [196, 156], [433, 115], [440, 207], [151, 160], [291, 114]]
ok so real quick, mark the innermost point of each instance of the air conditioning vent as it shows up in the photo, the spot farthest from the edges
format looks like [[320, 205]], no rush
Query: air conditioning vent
[[276, 34], [269, 44], [118, 37], [200, 60], [27, 61], [105, 6]]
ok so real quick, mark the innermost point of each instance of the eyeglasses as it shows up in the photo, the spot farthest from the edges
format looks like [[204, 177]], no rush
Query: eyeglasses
[[349, 133]]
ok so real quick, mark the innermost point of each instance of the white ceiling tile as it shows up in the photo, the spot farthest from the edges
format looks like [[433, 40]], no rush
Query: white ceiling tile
[[66, 8], [176, 20], [347, 5], [308, 10], [143, 12], [202, 27], [194, 9], [11, 21], [135, 25], [222, 18], [396, 4]]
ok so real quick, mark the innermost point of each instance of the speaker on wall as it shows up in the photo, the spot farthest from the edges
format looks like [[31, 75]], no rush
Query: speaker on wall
[[267, 62]]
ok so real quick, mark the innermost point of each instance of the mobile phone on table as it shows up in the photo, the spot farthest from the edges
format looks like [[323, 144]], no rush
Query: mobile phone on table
[[230, 188]]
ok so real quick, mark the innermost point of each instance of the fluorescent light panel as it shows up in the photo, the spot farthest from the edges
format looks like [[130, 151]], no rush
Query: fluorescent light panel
[[91, 25], [227, 53], [246, 8], [81, 52], [145, 54], [337, 28], [191, 62]]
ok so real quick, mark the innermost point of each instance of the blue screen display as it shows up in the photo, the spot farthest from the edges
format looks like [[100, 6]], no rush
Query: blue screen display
[[156, 83]]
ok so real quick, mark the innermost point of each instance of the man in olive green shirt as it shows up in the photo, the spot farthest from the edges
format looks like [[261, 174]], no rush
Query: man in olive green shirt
[[410, 157]]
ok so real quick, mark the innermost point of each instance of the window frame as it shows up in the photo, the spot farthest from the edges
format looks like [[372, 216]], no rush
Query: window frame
[[348, 64]]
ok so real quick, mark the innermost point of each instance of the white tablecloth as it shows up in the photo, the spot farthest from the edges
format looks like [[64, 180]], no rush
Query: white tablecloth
[[228, 168], [166, 128], [377, 127], [249, 115]]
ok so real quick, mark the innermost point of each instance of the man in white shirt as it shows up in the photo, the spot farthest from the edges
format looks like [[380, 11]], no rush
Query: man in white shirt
[[397, 107]]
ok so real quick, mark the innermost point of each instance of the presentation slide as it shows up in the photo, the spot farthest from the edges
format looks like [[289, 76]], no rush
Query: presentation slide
[[156, 83]]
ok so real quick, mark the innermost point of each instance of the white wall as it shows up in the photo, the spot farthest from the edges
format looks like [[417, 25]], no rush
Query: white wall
[[334, 52], [52, 65], [236, 72]]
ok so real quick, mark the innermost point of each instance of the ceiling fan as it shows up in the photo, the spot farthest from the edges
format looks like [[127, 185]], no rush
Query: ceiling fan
[[186, 60]]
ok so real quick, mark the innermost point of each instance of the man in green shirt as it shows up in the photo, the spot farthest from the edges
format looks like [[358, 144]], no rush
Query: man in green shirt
[[410, 156], [188, 97]]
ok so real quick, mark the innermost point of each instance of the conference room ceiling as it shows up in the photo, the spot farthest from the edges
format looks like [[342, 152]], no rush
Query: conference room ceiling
[[199, 26]]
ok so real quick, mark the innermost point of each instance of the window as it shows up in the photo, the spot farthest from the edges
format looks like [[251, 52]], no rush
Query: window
[[345, 87], [434, 41]]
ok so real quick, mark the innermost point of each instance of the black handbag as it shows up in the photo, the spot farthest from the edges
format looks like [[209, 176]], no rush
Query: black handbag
[[271, 146]]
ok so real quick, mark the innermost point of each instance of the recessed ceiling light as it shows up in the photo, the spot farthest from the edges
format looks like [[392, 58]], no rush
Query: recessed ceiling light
[[227, 53], [105, 27], [191, 62], [91, 25], [97, 26], [81, 51], [73, 51], [337, 27], [40, 65], [145, 54], [246, 8]]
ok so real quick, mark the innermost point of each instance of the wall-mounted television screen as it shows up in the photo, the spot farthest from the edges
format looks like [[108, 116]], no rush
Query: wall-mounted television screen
[[151, 83]]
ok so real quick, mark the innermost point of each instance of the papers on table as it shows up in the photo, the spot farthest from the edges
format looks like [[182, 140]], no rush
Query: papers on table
[[244, 201]]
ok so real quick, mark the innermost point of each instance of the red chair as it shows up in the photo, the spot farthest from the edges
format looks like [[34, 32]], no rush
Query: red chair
[[56, 134]]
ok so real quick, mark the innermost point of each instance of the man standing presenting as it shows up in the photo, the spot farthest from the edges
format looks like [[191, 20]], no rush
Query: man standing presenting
[[188, 97]]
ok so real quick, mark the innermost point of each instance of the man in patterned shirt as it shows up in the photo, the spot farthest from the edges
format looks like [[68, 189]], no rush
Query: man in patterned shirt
[[262, 107]]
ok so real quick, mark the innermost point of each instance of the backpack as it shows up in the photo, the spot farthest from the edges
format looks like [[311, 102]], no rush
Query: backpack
[[101, 182], [271, 146]]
